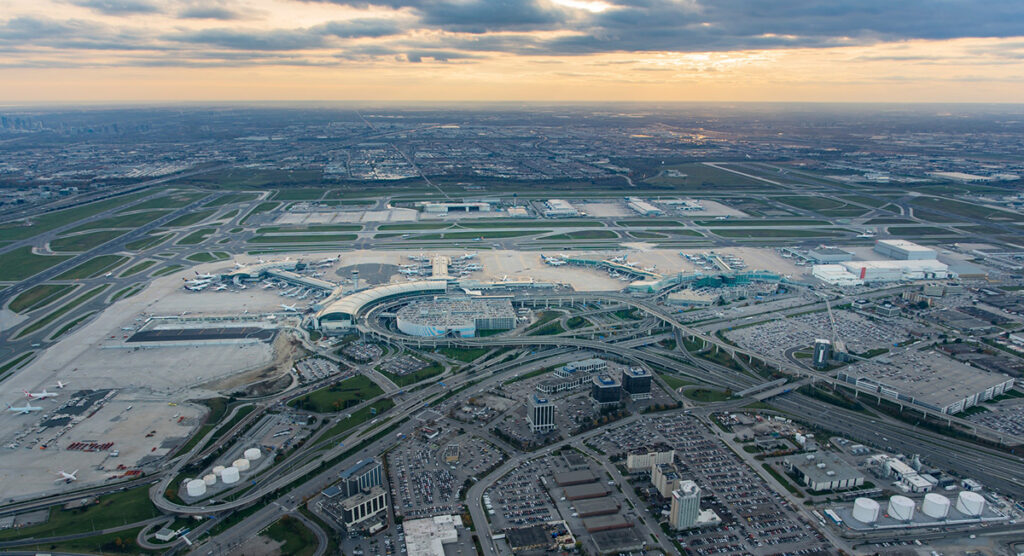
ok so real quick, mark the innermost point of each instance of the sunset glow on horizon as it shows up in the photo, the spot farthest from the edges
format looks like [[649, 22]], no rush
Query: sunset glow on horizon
[[545, 50]]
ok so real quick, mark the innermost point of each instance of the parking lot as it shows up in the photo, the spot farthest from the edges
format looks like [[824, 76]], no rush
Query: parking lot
[[775, 337], [755, 520], [519, 498], [316, 368], [403, 365], [428, 474]]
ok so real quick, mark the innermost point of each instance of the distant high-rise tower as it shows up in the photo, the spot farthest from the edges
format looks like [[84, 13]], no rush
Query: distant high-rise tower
[[540, 414], [822, 353], [685, 505]]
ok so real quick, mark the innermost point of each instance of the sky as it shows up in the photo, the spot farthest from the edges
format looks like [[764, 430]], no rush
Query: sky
[[101, 51]]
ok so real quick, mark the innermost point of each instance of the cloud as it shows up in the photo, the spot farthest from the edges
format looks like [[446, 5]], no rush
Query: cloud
[[119, 7], [210, 12], [472, 16], [365, 27], [255, 40]]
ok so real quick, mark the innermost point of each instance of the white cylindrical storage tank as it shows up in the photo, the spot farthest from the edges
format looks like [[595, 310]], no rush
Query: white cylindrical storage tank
[[901, 508], [230, 475], [218, 469], [210, 479], [935, 505], [195, 487], [253, 454], [865, 510], [970, 504], [241, 464]]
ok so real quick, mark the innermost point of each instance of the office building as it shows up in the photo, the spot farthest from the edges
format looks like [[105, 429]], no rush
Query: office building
[[685, 506], [636, 382], [644, 458], [605, 391], [363, 506], [540, 413], [362, 476], [665, 477], [822, 353]]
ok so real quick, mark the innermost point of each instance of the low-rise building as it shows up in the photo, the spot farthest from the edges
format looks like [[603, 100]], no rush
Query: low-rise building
[[644, 458], [823, 471]]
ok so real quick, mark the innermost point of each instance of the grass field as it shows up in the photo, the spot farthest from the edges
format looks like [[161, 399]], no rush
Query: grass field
[[265, 206], [232, 198], [462, 354], [967, 210], [864, 200], [301, 229], [172, 201], [297, 238], [45, 321], [147, 242], [485, 234], [191, 218], [647, 235], [893, 220], [810, 202], [130, 220], [705, 395], [197, 236], [20, 229], [650, 223], [754, 223], [127, 292], [774, 232], [18, 361], [698, 176], [584, 234], [67, 327], [920, 231], [338, 397], [85, 242], [112, 510], [673, 381], [297, 539], [299, 194], [431, 370], [93, 267], [207, 256], [359, 417], [137, 268], [21, 263], [171, 269], [39, 296]]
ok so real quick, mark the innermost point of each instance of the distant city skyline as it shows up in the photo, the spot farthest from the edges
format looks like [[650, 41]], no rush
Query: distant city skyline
[[532, 50]]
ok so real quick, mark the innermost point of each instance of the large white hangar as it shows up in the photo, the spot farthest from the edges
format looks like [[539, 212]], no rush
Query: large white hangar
[[460, 316]]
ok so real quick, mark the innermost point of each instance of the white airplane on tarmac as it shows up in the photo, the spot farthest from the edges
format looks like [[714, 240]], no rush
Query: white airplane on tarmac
[[26, 409], [220, 288], [61, 384], [290, 308], [204, 276], [66, 477], [39, 395]]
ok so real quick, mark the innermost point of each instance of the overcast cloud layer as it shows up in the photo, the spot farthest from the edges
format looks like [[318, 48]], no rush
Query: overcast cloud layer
[[234, 33]]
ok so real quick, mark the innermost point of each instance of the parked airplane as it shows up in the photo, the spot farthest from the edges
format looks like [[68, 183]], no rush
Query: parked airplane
[[290, 308], [197, 287], [467, 256], [204, 276], [26, 409], [39, 395], [61, 384], [66, 477], [220, 288], [329, 260]]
